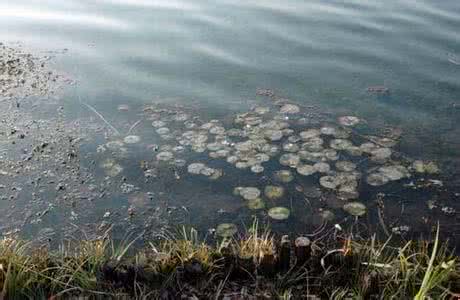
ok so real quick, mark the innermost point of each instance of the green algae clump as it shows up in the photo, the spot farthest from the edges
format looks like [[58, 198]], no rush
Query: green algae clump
[[256, 204], [355, 208], [425, 167], [279, 213], [226, 230], [274, 192]]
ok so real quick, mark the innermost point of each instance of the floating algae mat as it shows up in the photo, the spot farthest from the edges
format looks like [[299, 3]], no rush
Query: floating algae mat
[[161, 166]]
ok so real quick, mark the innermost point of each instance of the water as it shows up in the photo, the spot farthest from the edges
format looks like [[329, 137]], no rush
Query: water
[[212, 57]]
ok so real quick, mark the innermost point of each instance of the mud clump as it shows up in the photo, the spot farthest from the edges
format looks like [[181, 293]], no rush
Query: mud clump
[[23, 74]]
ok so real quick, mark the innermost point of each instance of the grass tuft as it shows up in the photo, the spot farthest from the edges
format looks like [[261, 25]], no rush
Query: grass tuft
[[185, 264]]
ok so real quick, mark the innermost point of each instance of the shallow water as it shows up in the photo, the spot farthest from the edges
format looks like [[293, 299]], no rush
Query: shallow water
[[211, 57]]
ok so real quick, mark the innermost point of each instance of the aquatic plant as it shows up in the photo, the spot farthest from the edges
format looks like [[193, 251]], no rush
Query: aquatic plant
[[355, 208], [284, 176], [132, 139], [256, 204], [273, 192], [279, 213], [226, 230]]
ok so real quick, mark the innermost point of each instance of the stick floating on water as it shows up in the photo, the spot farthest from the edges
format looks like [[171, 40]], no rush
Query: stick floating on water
[[134, 126], [101, 116]]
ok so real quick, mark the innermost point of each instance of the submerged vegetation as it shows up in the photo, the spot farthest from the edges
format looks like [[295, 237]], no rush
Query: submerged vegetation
[[253, 265]]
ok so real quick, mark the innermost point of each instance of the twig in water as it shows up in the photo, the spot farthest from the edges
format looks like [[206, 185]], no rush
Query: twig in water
[[318, 230], [134, 126], [102, 117], [322, 261], [380, 214], [308, 202]]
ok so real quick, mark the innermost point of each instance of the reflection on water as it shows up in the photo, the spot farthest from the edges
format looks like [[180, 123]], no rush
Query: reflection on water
[[13, 13], [393, 65]]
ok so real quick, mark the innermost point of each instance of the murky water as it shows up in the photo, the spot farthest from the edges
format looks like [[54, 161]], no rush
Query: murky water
[[394, 65]]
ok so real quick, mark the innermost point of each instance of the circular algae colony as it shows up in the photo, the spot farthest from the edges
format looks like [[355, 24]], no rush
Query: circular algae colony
[[248, 193], [284, 176], [356, 209], [132, 139], [274, 192], [289, 160], [279, 213], [349, 121], [226, 230], [306, 170], [256, 204]]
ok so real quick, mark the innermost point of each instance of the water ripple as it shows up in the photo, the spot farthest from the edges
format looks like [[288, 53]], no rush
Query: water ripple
[[219, 53], [296, 46], [159, 4], [61, 17]]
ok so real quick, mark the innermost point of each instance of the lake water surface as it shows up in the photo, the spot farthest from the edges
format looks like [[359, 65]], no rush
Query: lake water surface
[[393, 64]]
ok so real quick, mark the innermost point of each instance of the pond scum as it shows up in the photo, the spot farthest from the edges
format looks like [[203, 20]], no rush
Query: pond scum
[[253, 266]]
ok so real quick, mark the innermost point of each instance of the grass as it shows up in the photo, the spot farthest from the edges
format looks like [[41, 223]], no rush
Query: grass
[[257, 244], [178, 251], [184, 264], [434, 274]]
